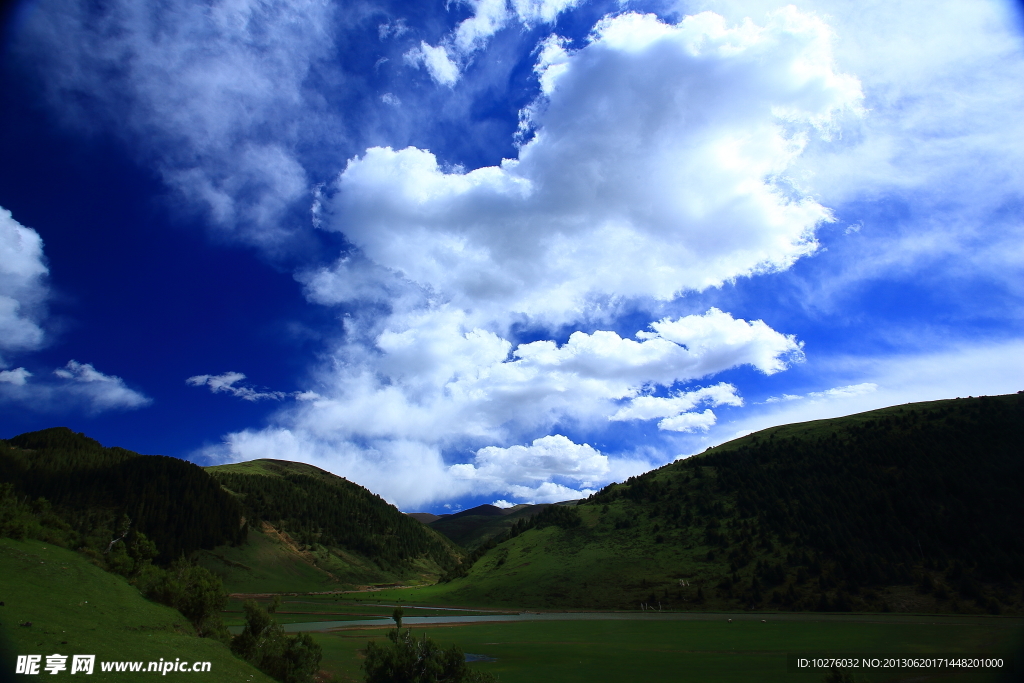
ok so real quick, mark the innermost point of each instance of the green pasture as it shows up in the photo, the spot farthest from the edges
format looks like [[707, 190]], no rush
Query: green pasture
[[745, 651], [77, 608]]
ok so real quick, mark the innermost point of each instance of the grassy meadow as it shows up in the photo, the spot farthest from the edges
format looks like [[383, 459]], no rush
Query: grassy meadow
[[77, 608], [745, 651]]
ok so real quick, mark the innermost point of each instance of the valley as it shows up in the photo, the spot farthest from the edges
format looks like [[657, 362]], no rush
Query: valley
[[893, 531]]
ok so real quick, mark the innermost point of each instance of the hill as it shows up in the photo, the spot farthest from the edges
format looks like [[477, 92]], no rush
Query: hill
[[474, 527], [914, 507], [311, 530], [74, 607], [100, 492], [424, 517]]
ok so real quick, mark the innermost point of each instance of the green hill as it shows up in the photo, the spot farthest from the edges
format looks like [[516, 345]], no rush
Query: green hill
[[910, 508], [97, 490], [74, 607], [312, 530]]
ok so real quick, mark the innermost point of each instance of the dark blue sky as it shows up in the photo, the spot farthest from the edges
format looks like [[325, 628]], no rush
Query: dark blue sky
[[814, 215]]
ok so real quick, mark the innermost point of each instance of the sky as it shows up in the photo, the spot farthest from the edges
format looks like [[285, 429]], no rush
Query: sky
[[502, 251]]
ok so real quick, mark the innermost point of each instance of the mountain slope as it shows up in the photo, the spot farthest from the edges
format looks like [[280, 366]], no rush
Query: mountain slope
[[311, 528], [911, 507], [75, 607], [174, 502]]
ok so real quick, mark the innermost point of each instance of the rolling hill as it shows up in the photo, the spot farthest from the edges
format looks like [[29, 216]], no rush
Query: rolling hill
[[909, 508], [266, 525], [311, 530]]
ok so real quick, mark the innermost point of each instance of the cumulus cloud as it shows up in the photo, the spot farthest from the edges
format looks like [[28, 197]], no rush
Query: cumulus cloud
[[79, 386], [658, 164], [384, 418], [549, 457], [195, 87], [22, 286], [227, 383], [940, 81]]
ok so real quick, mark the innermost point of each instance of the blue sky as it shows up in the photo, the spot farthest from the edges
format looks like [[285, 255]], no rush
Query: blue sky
[[501, 251]]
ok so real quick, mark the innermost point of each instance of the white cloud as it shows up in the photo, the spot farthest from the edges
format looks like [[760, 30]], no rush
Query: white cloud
[[503, 504], [541, 11], [226, 383], [659, 165], [17, 376], [437, 62], [547, 458], [489, 16], [845, 392], [675, 409], [431, 384], [651, 407], [445, 61], [689, 422], [549, 492], [835, 392], [22, 286], [80, 386], [101, 392], [941, 84]]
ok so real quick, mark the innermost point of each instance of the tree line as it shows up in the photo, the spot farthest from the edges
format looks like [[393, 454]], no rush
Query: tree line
[[173, 502]]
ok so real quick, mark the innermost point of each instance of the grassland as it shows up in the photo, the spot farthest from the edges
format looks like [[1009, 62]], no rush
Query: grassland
[[745, 651], [77, 608]]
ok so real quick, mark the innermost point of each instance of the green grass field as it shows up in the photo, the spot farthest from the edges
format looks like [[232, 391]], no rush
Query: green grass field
[[77, 608], [745, 651]]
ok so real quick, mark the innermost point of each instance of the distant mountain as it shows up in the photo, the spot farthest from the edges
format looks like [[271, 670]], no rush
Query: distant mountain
[[911, 508], [424, 517], [96, 490], [319, 528], [476, 526]]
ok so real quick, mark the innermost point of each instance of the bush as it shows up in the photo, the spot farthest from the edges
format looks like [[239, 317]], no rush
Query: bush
[[263, 644], [197, 594], [417, 660]]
